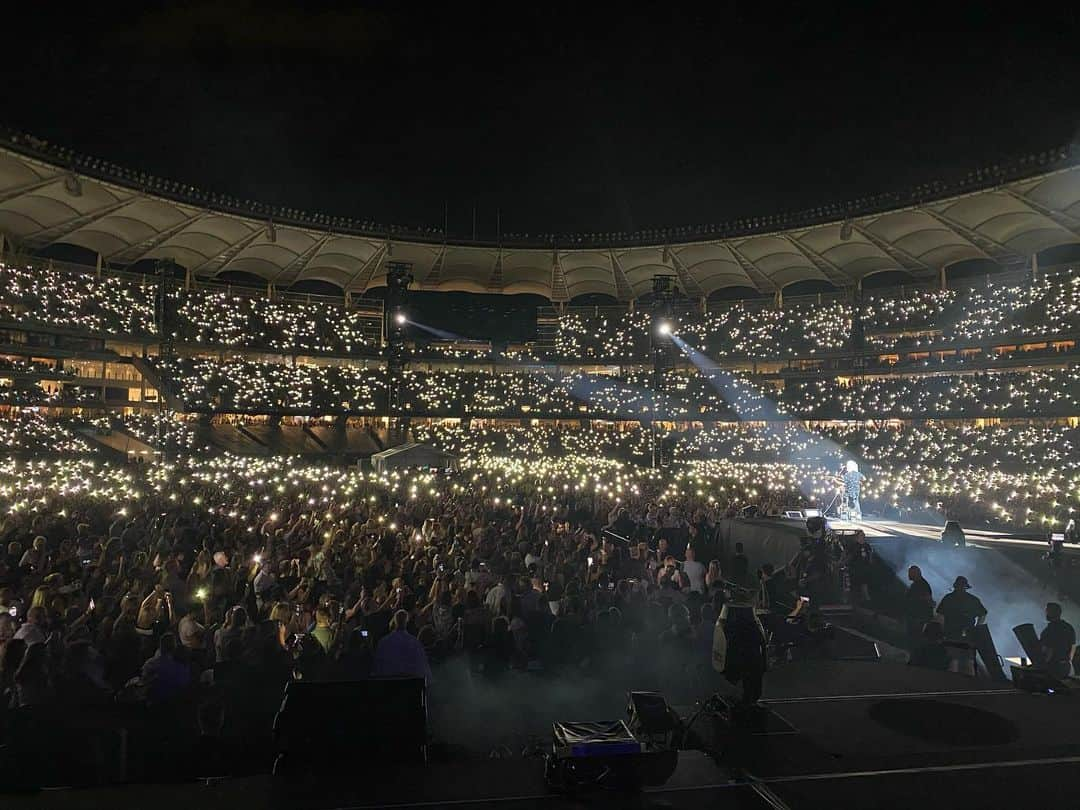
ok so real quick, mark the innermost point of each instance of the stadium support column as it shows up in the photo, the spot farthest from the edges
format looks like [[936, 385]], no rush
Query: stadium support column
[[164, 318], [662, 324], [395, 319]]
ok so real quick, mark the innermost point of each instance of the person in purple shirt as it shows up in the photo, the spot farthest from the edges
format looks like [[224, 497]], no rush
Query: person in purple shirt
[[164, 675], [400, 654]]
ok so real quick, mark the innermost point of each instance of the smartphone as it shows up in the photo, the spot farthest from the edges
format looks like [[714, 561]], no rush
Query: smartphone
[[363, 634], [805, 599]]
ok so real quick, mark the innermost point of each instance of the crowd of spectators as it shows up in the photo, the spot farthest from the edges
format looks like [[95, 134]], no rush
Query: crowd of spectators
[[254, 386], [200, 588], [1045, 307], [29, 432], [203, 585], [915, 319], [251, 385], [24, 393], [219, 318], [40, 295], [195, 587], [997, 394], [1001, 475]]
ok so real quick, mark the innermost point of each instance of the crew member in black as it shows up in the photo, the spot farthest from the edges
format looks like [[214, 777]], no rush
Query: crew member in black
[[961, 611], [919, 607], [1058, 640]]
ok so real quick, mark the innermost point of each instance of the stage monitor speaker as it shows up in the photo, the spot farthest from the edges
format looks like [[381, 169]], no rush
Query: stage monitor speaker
[[1039, 681], [321, 726], [980, 636], [1029, 641]]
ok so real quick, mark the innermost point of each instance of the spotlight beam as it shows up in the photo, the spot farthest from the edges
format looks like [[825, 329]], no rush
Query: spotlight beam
[[738, 394]]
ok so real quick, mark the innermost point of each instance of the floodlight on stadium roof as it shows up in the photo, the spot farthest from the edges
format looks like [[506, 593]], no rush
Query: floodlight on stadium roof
[[1004, 214]]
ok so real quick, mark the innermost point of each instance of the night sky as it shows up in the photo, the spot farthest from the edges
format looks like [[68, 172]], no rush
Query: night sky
[[566, 120]]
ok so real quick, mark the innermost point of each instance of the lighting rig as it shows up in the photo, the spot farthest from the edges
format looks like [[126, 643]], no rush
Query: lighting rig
[[165, 270], [662, 324], [398, 278]]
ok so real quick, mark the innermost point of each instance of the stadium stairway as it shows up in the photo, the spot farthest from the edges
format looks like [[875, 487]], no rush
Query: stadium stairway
[[153, 378], [116, 445], [234, 439], [315, 438], [348, 442]]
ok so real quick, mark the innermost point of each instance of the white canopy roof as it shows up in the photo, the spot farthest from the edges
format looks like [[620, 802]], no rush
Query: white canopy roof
[[42, 203], [412, 454]]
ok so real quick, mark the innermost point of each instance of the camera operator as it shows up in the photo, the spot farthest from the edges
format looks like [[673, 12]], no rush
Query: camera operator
[[1055, 558]]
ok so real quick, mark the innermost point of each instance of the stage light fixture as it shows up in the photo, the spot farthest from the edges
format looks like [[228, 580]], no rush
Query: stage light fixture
[[664, 328], [400, 319]]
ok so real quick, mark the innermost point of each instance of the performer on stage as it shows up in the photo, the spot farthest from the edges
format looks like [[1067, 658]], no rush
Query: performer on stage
[[852, 485]]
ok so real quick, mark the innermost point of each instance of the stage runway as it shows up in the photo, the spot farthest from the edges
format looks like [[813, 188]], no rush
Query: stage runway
[[892, 529]]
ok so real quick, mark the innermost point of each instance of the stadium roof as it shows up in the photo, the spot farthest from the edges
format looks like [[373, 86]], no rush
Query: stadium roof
[[50, 197]]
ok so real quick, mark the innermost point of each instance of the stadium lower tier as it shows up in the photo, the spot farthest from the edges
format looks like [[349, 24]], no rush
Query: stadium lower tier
[[1017, 475]]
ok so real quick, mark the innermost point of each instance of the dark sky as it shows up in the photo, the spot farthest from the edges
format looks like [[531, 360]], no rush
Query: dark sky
[[566, 119]]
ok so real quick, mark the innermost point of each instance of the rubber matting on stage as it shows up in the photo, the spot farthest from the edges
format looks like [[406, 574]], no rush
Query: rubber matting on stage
[[1051, 784], [872, 733]]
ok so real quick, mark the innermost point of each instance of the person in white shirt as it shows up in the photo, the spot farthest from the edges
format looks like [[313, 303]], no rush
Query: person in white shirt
[[694, 570], [497, 599], [33, 632]]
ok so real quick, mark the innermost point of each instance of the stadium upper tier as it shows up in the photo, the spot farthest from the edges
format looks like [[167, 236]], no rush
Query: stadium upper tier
[[1021, 309], [1008, 214]]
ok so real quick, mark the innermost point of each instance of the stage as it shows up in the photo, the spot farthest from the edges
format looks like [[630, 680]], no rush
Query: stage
[[840, 734], [892, 529]]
